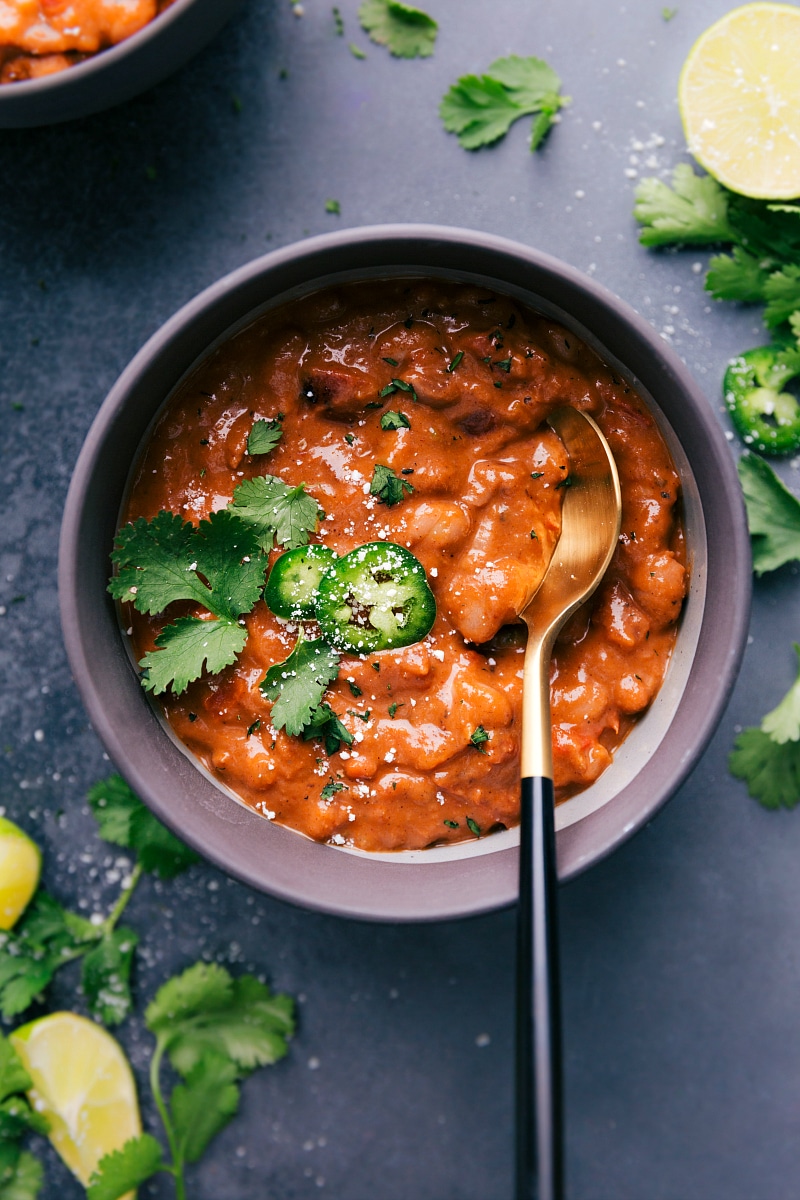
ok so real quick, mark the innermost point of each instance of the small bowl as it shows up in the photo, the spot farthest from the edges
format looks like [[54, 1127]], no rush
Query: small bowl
[[469, 877], [116, 74]]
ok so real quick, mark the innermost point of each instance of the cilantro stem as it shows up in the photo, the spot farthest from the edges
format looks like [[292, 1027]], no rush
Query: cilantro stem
[[113, 917], [176, 1169]]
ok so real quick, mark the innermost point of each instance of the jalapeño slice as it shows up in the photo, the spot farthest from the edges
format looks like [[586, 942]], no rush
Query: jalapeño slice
[[375, 598], [291, 589]]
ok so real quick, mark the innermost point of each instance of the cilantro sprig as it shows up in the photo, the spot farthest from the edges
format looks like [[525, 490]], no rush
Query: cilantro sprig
[[406, 32], [218, 564], [296, 685], [49, 936], [773, 515], [21, 1173], [762, 265], [481, 109], [214, 1030], [767, 757]]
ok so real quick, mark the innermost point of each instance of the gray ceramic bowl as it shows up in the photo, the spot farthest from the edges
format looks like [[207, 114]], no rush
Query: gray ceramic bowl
[[116, 74], [471, 877]]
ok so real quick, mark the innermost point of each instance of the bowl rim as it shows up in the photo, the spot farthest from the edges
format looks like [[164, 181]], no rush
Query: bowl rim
[[101, 60], [369, 897]]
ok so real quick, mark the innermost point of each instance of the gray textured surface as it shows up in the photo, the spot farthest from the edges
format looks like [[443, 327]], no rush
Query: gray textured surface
[[681, 960]]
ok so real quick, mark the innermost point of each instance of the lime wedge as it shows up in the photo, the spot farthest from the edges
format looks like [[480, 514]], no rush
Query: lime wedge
[[739, 97], [83, 1085], [20, 866]]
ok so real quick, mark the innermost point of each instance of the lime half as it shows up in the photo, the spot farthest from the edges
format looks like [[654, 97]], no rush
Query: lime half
[[20, 867], [739, 97], [83, 1085]]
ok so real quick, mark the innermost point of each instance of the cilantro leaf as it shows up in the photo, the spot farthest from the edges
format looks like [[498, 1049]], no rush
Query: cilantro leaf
[[405, 31], [188, 647], [771, 771], [161, 561], [387, 486], [124, 1170], [22, 1180], [395, 420], [764, 230], [736, 276], [331, 788], [276, 511], [203, 1104], [125, 821], [105, 976], [206, 1011], [773, 515], [782, 293], [325, 724], [46, 938], [478, 737], [694, 211], [17, 1118], [298, 684], [13, 1076], [783, 722], [264, 436], [480, 109]]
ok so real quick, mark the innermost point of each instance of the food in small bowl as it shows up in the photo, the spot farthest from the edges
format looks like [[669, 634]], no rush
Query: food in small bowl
[[61, 59], [375, 459], [38, 39], [293, 353]]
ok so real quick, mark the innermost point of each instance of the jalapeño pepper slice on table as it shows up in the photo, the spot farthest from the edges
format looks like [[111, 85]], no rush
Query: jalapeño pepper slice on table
[[375, 598], [293, 581], [766, 417]]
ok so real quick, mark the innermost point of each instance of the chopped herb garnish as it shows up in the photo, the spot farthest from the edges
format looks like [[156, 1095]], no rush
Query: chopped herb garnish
[[376, 666], [452, 824], [474, 827], [387, 486], [333, 206], [394, 707], [533, 535], [355, 690], [395, 420], [356, 51], [398, 385], [263, 437], [565, 483], [325, 724], [349, 438], [251, 729], [452, 366], [537, 474], [391, 361], [504, 364], [330, 789], [478, 737], [338, 23]]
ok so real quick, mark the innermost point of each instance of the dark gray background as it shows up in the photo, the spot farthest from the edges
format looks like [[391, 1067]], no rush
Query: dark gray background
[[681, 970]]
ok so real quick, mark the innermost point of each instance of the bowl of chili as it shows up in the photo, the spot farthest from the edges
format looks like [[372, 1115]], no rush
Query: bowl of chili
[[48, 79], [453, 879]]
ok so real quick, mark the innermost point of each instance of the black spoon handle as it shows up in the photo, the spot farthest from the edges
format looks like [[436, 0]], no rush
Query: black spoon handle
[[540, 1162]]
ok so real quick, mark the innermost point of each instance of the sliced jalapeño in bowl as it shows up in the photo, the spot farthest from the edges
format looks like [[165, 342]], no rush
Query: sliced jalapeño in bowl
[[375, 598], [291, 590]]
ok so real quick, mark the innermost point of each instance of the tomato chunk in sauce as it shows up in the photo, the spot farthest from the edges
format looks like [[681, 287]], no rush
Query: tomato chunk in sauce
[[480, 374]]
